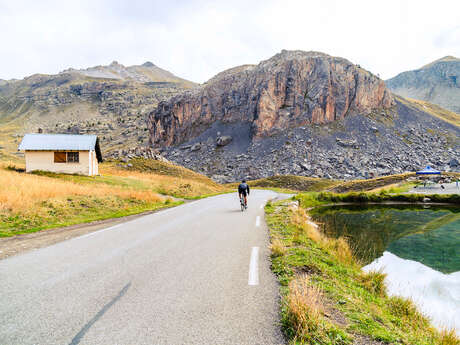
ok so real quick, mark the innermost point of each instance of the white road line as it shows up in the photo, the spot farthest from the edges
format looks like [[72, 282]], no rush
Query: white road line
[[258, 221], [254, 267], [99, 231]]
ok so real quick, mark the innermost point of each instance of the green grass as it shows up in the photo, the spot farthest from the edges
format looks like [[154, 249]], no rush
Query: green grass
[[314, 199], [76, 210], [369, 184], [349, 303]]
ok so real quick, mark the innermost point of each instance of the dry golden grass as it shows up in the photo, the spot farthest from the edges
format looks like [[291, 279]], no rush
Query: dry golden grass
[[448, 337], [374, 281], [436, 110], [164, 184], [23, 193], [277, 247], [338, 246], [305, 307]]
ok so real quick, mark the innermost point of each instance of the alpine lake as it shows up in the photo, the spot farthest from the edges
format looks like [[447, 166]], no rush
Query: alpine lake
[[417, 247]]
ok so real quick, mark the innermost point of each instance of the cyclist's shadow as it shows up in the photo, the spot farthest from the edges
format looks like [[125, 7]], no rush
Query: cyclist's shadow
[[236, 210]]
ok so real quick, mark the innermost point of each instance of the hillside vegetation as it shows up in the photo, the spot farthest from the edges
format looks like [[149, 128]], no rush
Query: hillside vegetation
[[434, 110], [290, 183], [43, 200]]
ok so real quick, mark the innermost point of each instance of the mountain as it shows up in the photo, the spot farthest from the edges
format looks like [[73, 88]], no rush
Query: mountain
[[110, 101], [304, 113], [438, 83], [147, 72]]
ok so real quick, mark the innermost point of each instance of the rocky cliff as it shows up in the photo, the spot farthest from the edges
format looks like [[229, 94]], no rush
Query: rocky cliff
[[291, 89], [437, 82], [302, 113]]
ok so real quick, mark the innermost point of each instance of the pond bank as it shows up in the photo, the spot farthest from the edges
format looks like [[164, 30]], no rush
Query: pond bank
[[328, 299]]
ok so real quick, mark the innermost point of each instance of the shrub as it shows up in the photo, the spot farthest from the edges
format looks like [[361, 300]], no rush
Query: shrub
[[277, 247], [373, 281]]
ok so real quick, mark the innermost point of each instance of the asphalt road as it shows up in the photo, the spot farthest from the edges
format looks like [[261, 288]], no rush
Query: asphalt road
[[195, 274]]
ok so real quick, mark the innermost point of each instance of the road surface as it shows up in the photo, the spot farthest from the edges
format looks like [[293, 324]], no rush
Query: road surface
[[195, 274]]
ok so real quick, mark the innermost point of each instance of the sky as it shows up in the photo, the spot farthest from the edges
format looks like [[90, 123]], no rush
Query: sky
[[197, 39]]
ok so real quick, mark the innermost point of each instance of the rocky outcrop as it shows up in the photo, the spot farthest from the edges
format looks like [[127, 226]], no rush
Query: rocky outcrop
[[291, 89], [437, 82], [355, 147]]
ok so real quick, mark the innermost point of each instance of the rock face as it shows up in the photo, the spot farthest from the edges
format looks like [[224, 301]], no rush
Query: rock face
[[437, 82], [291, 89]]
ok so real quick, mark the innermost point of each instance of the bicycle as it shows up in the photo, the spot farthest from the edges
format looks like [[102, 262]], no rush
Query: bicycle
[[243, 204]]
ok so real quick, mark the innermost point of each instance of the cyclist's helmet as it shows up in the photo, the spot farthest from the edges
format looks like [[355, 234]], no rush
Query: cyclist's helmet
[[244, 181]]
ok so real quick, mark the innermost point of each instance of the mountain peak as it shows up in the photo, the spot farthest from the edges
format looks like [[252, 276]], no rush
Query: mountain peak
[[148, 64], [447, 58]]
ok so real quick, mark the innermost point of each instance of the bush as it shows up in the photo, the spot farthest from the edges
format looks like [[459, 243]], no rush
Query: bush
[[373, 281]]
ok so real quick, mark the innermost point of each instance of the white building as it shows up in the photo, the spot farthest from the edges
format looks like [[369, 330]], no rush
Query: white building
[[62, 153]]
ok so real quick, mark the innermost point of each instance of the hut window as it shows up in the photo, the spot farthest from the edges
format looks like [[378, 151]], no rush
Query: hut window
[[59, 157], [66, 157], [73, 157]]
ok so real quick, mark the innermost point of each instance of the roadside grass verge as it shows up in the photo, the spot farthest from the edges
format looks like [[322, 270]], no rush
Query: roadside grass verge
[[328, 299]]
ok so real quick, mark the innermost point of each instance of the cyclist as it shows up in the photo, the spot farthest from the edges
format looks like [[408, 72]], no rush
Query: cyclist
[[243, 190]]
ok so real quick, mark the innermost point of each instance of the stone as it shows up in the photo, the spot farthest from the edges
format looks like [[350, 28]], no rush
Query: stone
[[195, 147], [454, 163], [224, 140]]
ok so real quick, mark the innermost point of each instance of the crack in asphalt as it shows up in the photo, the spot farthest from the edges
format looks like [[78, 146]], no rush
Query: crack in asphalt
[[82, 332]]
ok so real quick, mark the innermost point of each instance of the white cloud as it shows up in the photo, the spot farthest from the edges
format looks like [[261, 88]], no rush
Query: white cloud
[[197, 39]]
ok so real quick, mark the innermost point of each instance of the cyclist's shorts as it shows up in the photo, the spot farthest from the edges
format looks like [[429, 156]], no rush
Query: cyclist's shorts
[[243, 193]]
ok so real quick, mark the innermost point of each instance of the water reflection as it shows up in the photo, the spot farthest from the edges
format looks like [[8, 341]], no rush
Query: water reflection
[[429, 236], [436, 294]]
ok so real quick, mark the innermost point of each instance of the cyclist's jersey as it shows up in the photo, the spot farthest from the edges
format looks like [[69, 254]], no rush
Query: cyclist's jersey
[[243, 188]]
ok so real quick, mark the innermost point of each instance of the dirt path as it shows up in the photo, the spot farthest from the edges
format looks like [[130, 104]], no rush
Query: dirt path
[[10, 246]]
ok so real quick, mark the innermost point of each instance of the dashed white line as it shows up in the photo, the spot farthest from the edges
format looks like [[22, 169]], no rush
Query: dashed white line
[[258, 221], [253, 278]]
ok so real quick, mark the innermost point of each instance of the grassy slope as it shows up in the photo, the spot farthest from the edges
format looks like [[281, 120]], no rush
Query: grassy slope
[[328, 299], [433, 110], [33, 202], [290, 183]]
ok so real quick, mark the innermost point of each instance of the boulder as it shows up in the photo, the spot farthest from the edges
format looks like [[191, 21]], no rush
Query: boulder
[[223, 140], [195, 147]]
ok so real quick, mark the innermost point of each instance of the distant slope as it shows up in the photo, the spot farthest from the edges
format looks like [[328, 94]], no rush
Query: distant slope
[[434, 110], [437, 82], [144, 73], [109, 101]]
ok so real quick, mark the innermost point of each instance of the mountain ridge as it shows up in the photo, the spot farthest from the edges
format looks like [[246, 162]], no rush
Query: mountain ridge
[[437, 82]]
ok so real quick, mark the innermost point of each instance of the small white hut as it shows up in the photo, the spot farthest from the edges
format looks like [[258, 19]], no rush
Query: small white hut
[[62, 153]]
